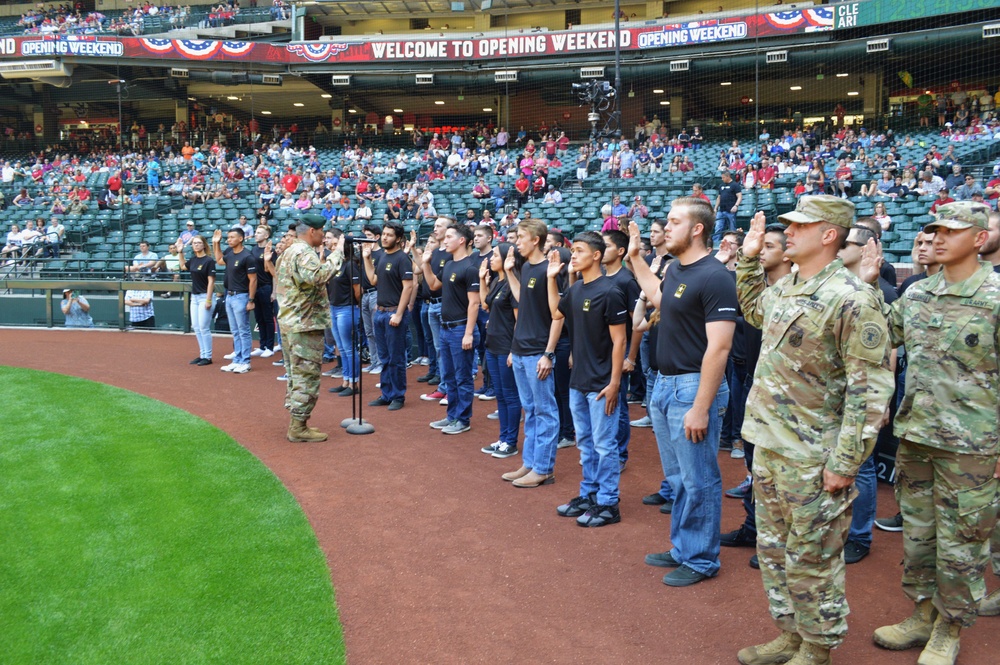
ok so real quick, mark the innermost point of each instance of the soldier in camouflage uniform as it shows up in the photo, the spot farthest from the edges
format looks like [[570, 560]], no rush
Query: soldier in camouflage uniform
[[304, 315], [820, 391], [947, 462]]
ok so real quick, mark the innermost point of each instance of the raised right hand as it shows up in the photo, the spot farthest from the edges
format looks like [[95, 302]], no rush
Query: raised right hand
[[634, 240], [754, 241]]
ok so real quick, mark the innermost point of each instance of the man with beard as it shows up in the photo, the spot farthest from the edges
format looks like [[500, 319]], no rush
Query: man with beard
[[698, 308]]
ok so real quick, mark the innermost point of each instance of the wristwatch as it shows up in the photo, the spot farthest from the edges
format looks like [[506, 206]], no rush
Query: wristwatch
[[551, 355]]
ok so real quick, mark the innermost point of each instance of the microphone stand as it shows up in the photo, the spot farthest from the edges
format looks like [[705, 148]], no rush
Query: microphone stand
[[356, 424]]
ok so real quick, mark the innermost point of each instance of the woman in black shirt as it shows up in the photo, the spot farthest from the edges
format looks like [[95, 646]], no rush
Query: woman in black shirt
[[345, 295], [202, 268], [499, 331]]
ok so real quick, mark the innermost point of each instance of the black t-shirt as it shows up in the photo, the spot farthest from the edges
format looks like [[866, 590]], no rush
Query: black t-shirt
[[263, 276], [459, 278], [888, 273], [365, 284], [625, 281], [589, 310], [692, 295], [391, 271], [908, 282], [439, 258], [201, 267], [238, 267], [500, 327], [531, 333], [727, 195], [341, 287]]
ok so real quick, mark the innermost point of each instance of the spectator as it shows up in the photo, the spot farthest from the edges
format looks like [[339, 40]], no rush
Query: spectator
[[942, 199], [140, 308], [13, 245], [965, 192], [76, 309], [145, 261], [53, 238], [189, 233], [553, 195], [638, 209], [726, 204], [881, 216]]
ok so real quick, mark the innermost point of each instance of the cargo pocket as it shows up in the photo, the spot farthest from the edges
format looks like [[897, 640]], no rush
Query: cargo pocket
[[977, 511], [820, 526]]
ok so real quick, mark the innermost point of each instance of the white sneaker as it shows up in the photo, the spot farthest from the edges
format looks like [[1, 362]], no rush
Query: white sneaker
[[444, 402], [230, 356], [241, 369], [229, 368], [256, 353], [565, 443], [283, 377], [266, 353], [494, 416], [277, 347], [377, 369]]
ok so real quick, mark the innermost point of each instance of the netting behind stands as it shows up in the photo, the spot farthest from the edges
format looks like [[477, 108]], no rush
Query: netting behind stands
[[928, 99]]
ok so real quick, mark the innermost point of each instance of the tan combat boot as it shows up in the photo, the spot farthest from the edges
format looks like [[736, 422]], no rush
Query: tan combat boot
[[298, 432], [990, 605], [811, 654], [912, 632], [942, 648], [779, 650]]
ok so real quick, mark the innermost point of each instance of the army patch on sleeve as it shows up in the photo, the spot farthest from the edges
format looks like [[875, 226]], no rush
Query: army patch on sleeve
[[871, 335]]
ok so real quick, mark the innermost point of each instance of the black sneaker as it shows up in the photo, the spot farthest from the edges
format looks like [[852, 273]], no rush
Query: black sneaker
[[378, 401], [492, 448], [395, 405], [195, 361], [655, 499], [661, 560], [667, 508], [755, 562], [600, 516], [894, 523], [855, 551], [434, 380], [577, 506], [424, 378], [684, 576], [505, 450], [739, 538], [204, 361]]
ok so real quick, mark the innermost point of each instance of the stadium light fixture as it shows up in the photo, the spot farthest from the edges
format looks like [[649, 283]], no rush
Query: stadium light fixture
[[265, 113], [657, 92], [298, 104], [488, 110], [795, 87], [326, 96], [397, 110], [853, 93], [439, 103], [841, 76], [726, 83]]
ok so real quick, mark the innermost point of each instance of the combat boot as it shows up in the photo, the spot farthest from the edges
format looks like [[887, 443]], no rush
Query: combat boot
[[298, 432], [942, 648], [779, 650], [990, 605], [912, 632], [811, 653]]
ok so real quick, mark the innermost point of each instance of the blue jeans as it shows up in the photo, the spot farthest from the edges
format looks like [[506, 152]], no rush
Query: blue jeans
[[863, 517], [456, 367], [368, 301], [432, 356], [595, 437], [508, 401], [724, 221], [692, 469], [434, 318], [541, 419], [345, 320], [391, 342], [201, 323], [239, 324], [561, 371], [624, 428]]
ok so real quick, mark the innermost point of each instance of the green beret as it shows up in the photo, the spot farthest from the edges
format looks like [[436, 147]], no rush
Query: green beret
[[313, 220]]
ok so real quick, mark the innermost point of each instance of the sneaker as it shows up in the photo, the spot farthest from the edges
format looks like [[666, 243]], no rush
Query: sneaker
[[432, 397], [739, 538], [488, 396], [396, 405], [441, 424], [667, 508], [278, 363], [377, 369], [654, 499], [742, 490], [266, 353], [444, 402], [277, 347], [683, 576], [229, 368], [494, 416], [242, 368], [566, 443], [661, 560], [204, 361], [855, 551], [379, 401], [725, 446], [195, 361], [505, 450], [632, 399], [283, 377], [457, 427], [338, 373], [230, 356], [755, 562], [599, 516], [328, 372], [737, 453], [576, 507], [434, 380], [256, 353], [642, 422], [424, 378], [490, 449], [894, 523]]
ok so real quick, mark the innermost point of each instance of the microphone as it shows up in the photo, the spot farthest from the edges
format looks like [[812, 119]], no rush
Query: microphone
[[361, 239]]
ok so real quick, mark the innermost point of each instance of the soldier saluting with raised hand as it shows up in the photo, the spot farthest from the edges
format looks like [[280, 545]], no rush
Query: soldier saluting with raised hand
[[947, 463], [820, 390]]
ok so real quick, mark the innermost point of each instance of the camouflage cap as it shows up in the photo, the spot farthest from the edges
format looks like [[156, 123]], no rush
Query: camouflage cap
[[313, 220], [960, 215], [821, 208]]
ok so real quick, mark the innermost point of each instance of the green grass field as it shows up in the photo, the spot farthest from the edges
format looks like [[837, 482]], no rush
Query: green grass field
[[133, 532]]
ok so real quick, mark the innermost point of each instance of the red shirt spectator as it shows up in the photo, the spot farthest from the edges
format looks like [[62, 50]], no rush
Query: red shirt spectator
[[291, 182], [942, 199]]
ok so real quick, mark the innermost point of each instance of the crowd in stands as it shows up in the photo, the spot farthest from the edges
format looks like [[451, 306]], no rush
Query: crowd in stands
[[62, 19]]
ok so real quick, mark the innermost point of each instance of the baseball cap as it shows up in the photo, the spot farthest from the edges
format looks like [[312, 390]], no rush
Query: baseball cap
[[821, 208], [960, 215]]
